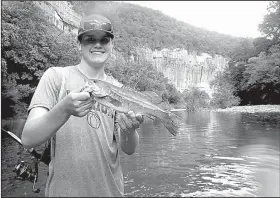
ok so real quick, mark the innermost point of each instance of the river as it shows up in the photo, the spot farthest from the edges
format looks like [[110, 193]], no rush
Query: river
[[218, 154]]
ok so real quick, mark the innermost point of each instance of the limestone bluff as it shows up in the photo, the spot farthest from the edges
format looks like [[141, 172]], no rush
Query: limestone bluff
[[183, 69]]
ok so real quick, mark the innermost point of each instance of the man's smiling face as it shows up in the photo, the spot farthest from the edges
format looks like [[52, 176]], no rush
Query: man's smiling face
[[96, 47]]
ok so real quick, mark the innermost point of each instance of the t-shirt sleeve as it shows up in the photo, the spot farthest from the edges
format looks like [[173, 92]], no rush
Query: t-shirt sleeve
[[47, 91]]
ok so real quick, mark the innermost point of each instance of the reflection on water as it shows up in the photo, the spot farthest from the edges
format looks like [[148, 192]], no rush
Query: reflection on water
[[218, 154], [264, 159]]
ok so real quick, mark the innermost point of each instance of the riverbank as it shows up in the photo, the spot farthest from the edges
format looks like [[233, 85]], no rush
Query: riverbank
[[252, 109]]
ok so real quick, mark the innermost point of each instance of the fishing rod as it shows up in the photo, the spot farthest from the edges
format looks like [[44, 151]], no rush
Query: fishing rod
[[23, 170], [16, 138]]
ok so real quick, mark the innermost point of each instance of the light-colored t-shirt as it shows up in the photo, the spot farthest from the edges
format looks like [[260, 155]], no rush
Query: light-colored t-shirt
[[85, 157]]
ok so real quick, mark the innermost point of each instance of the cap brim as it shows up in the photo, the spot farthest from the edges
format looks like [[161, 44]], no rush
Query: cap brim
[[96, 30]]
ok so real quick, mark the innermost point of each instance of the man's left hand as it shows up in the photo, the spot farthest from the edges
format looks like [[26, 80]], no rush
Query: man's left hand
[[129, 122]]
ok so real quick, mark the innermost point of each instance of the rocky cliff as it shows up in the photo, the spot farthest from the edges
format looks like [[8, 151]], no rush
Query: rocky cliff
[[183, 69]]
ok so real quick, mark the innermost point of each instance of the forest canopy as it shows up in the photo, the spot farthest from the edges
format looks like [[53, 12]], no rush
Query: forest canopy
[[140, 26], [253, 75]]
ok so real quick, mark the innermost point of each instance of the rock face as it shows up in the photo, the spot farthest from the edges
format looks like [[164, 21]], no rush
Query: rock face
[[61, 14], [182, 68]]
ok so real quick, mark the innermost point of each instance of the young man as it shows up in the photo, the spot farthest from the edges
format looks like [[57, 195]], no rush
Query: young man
[[84, 153]]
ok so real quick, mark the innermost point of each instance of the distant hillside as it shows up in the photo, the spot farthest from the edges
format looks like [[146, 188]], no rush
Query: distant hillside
[[141, 26]]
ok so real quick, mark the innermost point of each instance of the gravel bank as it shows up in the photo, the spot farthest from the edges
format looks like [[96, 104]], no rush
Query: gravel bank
[[252, 109]]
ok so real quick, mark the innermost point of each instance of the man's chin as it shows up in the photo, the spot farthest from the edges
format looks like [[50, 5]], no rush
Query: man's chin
[[98, 61]]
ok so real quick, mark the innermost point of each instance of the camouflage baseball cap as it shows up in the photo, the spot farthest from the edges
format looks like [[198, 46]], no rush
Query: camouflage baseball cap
[[95, 22]]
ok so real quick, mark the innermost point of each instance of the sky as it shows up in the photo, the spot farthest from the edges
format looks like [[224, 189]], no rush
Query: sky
[[236, 18]]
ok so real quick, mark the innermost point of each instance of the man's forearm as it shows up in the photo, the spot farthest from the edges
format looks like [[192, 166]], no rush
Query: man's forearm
[[38, 130], [129, 141]]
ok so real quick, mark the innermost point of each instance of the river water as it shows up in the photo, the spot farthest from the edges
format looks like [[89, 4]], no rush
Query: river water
[[218, 154]]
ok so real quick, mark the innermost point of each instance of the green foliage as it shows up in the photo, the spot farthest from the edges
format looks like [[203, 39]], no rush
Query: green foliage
[[253, 74], [263, 77], [261, 44], [172, 95], [140, 26], [255, 81], [242, 51], [195, 99], [271, 23], [224, 99], [224, 91], [30, 45]]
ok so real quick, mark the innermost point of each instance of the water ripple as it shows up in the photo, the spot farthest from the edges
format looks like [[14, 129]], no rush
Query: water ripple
[[216, 154]]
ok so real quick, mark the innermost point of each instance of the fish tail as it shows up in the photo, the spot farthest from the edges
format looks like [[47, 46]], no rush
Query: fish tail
[[172, 122]]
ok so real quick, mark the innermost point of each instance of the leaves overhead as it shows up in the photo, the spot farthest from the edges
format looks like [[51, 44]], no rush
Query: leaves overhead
[[271, 22]]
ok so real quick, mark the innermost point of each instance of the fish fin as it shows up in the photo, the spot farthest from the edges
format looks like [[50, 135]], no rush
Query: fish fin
[[151, 117], [127, 88], [153, 96], [133, 90], [150, 95], [164, 105], [173, 122]]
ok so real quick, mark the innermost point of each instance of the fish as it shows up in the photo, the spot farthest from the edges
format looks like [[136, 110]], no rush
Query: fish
[[124, 99]]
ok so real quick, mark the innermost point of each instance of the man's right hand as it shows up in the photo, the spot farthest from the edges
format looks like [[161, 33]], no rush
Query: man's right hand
[[42, 123], [78, 103]]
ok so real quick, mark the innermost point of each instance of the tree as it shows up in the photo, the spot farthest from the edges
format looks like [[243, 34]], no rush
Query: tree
[[242, 51], [30, 45], [223, 96], [271, 23], [261, 44], [263, 77], [253, 73], [195, 99]]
